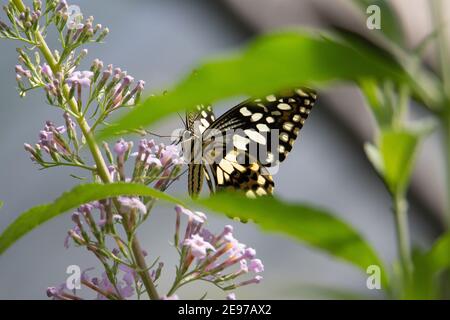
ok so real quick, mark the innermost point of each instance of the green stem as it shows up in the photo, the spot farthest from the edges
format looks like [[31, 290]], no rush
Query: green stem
[[446, 142], [403, 241], [437, 8], [443, 56], [102, 168]]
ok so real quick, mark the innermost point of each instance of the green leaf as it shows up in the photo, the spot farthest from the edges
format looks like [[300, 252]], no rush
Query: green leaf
[[390, 25], [271, 63], [313, 226], [382, 111], [439, 255], [79, 195], [1, 204], [394, 157], [427, 266]]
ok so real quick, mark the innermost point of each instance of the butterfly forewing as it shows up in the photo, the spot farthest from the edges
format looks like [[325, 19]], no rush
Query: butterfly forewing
[[239, 146], [268, 125]]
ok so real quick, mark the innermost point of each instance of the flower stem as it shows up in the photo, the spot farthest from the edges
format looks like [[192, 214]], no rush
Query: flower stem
[[101, 166]]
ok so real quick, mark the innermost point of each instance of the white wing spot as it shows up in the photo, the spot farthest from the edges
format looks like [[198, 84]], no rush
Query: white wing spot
[[250, 194], [283, 106], [255, 136], [261, 180], [296, 118], [270, 157], [262, 127], [256, 117], [219, 176], [261, 192], [271, 98], [302, 93], [204, 122], [226, 166], [245, 112], [288, 126], [270, 120], [284, 137], [240, 142]]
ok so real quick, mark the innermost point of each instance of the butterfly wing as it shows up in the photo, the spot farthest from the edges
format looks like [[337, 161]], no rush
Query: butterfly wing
[[270, 124]]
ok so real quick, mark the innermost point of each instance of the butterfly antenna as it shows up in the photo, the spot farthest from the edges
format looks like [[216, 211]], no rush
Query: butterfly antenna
[[182, 120], [157, 135], [176, 178]]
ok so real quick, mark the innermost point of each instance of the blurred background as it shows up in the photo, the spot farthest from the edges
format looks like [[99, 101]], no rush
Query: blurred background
[[161, 40]]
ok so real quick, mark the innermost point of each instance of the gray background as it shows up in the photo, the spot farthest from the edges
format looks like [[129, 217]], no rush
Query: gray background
[[159, 41]]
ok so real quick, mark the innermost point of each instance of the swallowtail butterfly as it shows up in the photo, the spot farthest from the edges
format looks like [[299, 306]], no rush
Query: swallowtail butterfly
[[219, 150]]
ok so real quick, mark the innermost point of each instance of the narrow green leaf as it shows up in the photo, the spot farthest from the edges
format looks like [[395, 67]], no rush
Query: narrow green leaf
[[270, 63], [398, 149], [383, 113], [79, 195], [315, 227]]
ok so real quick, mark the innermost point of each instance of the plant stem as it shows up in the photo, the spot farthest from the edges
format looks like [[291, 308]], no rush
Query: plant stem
[[101, 166], [403, 242], [446, 142], [443, 55], [437, 8]]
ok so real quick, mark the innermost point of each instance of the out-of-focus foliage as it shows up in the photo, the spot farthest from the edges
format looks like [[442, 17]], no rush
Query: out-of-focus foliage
[[428, 267], [313, 226], [390, 24], [79, 195], [394, 156], [271, 63]]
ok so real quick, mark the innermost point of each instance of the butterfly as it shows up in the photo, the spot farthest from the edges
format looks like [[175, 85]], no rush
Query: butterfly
[[238, 149]]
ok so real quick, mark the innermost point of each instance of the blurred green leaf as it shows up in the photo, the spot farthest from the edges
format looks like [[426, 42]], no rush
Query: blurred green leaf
[[382, 111], [439, 255], [271, 63], [394, 156], [1, 204], [390, 22], [316, 227], [427, 268], [79, 195]]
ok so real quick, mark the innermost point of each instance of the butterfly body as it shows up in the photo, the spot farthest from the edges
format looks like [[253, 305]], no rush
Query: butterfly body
[[237, 150]]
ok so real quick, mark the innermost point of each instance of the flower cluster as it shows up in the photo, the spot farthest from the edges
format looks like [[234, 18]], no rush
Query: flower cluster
[[154, 163], [103, 287], [108, 228], [94, 224], [217, 258], [22, 23], [57, 146]]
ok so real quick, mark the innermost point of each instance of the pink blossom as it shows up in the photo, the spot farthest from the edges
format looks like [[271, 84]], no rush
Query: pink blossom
[[198, 246], [129, 204], [80, 77], [256, 266]]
